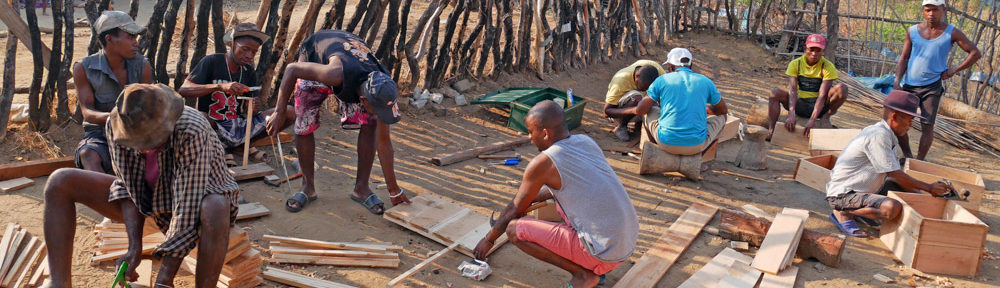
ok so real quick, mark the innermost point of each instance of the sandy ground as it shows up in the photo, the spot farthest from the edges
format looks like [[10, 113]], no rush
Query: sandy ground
[[740, 69]]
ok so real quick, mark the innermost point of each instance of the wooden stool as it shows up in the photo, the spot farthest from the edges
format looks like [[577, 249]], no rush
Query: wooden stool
[[758, 116], [655, 160], [753, 151]]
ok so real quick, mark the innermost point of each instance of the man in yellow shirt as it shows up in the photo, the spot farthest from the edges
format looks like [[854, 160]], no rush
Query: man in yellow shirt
[[811, 92], [627, 87]]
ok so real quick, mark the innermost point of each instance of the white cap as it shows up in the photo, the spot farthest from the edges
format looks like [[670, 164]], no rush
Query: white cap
[[679, 57], [933, 2]]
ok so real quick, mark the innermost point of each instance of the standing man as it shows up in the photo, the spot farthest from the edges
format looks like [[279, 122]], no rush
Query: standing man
[[627, 87], [601, 227], [101, 77], [338, 62], [924, 65], [220, 78], [679, 122], [811, 92], [868, 168], [168, 165]]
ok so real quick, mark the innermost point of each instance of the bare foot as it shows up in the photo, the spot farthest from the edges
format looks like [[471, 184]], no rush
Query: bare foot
[[585, 279]]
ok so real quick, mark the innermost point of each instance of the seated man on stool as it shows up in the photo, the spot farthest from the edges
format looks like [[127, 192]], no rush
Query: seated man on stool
[[679, 123], [168, 165], [868, 163], [627, 87], [601, 227]]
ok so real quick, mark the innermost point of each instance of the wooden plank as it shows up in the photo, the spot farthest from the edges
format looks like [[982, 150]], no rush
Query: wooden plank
[[15, 184], [146, 248], [36, 168], [275, 250], [709, 275], [252, 171], [831, 139], [39, 253], [740, 275], [436, 213], [145, 270], [791, 140], [784, 279], [804, 215], [976, 192], [298, 280], [8, 237], [755, 211], [469, 223], [19, 29], [252, 210], [12, 251], [470, 153], [779, 240], [960, 261], [731, 130], [283, 137], [943, 171], [42, 271], [233, 252], [333, 245], [420, 265], [250, 260], [15, 268], [665, 251], [814, 172], [482, 229], [335, 261]]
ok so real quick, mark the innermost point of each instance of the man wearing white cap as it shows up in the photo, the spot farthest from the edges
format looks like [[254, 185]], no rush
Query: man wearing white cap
[[924, 64], [679, 122], [811, 92], [101, 77]]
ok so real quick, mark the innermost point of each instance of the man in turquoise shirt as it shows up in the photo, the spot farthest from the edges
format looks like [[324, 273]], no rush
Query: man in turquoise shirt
[[684, 99]]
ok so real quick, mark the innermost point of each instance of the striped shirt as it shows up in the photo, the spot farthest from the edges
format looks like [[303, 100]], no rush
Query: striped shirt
[[865, 161], [191, 165]]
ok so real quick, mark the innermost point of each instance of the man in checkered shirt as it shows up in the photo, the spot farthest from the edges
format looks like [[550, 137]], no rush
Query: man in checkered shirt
[[168, 165]]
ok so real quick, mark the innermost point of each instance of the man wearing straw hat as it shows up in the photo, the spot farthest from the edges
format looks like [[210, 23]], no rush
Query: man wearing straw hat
[[168, 165], [923, 66]]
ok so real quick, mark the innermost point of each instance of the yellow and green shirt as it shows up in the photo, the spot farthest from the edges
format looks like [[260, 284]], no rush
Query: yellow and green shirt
[[811, 77], [623, 81]]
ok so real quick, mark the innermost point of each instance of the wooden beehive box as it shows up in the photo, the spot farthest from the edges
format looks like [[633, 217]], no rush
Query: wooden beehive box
[[815, 171], [830, 141], [935, 235], [961, 179]]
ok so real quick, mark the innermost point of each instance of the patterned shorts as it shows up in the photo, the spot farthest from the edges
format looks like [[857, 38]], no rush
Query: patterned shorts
[[309, 97]]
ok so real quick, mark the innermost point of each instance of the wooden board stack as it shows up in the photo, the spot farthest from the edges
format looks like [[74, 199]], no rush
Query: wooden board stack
[[242, 263], [112, 240], [289, 250], [782, 239], [19, 254], [299, 280]]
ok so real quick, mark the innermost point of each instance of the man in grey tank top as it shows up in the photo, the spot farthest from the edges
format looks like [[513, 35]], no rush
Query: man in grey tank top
[[599, 228], [101, 77]]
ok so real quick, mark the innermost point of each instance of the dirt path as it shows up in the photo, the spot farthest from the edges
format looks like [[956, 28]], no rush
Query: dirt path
[[741, 70]]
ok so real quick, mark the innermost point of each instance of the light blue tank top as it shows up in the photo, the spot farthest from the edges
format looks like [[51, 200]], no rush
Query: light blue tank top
[[928, 58]]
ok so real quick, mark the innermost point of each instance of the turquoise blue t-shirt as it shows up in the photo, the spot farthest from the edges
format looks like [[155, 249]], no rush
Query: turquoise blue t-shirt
[[682, 95]]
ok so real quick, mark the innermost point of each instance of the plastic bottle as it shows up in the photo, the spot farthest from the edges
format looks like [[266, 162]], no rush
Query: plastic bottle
[[569, 97]]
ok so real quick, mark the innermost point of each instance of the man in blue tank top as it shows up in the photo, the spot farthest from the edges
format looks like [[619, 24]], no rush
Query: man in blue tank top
[[924, 64]]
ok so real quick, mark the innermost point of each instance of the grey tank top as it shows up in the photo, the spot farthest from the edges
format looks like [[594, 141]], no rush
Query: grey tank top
[[106, 86], [594, 199]]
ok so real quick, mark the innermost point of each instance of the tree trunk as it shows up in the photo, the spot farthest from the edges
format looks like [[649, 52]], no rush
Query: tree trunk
[[397, 60], [7, 92], [168, 36], [62, 108], [148, 40], [279, 46], [201, 33], [36, 81], [262, 12], [335, 15], [133, 9], [413, 57], [753, 152], [432, 50], [49, 92], [389, 38], [266, 50], [741, 226], [489, 36], [524, 36], [290, 54], [444, 56], [464, 62], [181, 68], [359, 14], [507, 59], [372, 21], [92, 13], [218, 27], [833, 29]]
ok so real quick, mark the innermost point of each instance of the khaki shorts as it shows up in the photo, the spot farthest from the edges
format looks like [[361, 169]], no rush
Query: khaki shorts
[[854, 201], [652, 122]]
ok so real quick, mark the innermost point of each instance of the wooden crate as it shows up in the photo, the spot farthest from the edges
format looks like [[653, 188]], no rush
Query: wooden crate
[[815, 171], [935, 235], [961, 179], [830, 141]]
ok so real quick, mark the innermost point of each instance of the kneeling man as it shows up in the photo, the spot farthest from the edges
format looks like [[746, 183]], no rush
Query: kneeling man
[[601, 225], [168, 165]]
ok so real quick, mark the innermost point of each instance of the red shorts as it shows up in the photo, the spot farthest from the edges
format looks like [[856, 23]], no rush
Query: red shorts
[[561, 239]]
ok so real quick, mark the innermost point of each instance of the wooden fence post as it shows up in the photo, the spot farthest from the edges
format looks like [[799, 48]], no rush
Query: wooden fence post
[[201, 33], [181, 68], [218, 26], [148, 42], [832, 28], [7, 92], [168, 35], [291, 53], [444, 55], [36, 80], [62, 108]]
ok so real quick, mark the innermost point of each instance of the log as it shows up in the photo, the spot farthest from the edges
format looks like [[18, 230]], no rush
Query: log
[[655, 160], [442, 160], [741, 226], [36, 80], [753, 151], [276, 51]]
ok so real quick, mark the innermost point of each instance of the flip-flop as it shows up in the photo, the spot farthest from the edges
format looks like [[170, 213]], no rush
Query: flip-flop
[[370, 203], [848, 227], [302, 199], [868, 221]]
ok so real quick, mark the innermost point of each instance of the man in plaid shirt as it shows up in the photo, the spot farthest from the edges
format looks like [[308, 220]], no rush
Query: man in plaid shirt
[[168, 165]]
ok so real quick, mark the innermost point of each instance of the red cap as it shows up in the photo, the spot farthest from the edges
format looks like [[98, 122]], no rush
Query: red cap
[[816, 40]]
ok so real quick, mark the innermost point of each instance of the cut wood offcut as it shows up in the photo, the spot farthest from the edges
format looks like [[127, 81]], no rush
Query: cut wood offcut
[[782, 239], [658, 259], [20, 254]]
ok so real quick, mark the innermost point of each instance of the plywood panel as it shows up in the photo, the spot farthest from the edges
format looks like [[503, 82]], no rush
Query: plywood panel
[[430, 210], [665, 251]]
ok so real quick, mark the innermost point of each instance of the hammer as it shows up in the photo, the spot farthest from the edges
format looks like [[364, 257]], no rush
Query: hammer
[[533, 207]]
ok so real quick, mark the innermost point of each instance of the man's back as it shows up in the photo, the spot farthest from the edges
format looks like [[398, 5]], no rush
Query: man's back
[[682, 96], [623, 81], [863, 164]]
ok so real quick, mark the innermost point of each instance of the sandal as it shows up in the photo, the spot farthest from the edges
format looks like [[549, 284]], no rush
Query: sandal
[[370, 203], [848, 227], [868, 221], [301, 199], [258, 155], [229, 160]]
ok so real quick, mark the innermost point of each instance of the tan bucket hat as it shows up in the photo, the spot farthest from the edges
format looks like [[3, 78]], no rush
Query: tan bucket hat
[[245, 29], [145, 115]]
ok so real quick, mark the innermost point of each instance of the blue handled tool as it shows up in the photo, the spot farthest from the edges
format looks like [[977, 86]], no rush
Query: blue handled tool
[[120, 276], [507, 162]]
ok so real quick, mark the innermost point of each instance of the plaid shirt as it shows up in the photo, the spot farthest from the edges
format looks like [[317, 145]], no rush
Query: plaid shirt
[[191, 165]]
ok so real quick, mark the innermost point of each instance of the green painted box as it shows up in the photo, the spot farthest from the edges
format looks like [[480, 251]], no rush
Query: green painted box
[[522, 99]]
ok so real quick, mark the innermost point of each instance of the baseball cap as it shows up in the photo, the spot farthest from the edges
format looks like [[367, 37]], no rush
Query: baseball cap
[[816, 40], [679, 57], [381, 92], [111, 19], [904, 102], [933, 2], [246, 29]]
